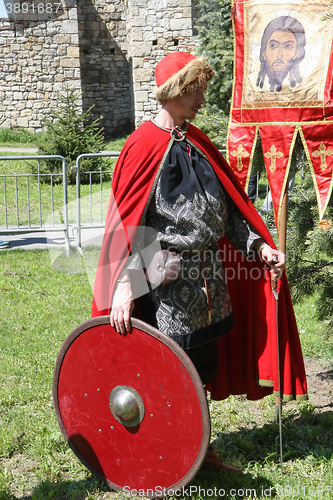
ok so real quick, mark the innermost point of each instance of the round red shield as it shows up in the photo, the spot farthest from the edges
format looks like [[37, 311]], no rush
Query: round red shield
[[132, 407]]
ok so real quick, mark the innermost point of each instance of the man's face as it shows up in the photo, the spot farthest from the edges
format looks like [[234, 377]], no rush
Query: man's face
[[186, 106], [280, 54]]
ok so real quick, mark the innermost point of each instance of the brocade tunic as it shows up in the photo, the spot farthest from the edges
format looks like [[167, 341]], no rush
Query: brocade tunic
[[190, 212]]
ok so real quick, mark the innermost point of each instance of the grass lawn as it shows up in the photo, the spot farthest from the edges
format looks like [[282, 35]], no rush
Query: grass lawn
[[42, 302], [23, 138], [16, 138], [41, 306]]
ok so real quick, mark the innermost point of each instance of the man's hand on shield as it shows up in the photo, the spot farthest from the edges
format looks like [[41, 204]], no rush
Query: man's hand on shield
[[122, 307]]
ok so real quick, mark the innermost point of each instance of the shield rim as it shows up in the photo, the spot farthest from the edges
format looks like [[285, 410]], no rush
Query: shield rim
[[187, 363]]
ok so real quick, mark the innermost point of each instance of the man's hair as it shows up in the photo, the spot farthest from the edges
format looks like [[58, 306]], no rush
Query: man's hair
[[283, 23]]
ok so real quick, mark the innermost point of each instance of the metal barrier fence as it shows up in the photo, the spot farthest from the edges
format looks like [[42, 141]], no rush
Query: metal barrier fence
[[101, 173], [19, 190], [30, 201]]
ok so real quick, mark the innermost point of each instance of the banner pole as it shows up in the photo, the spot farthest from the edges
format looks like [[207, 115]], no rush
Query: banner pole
[[282, 248], [283, 222]]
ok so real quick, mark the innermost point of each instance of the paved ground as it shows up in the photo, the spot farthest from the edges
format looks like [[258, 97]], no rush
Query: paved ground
[[51, 239], [6, 149]]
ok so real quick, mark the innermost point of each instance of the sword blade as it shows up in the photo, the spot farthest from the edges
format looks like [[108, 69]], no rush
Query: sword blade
[[278, 405]]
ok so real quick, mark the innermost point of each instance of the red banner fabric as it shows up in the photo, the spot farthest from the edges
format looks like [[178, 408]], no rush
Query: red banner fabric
[[282, 80], [277, 145], [241, 144], [318, 144]]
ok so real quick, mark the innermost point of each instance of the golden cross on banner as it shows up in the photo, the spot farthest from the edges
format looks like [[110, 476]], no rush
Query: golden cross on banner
[[240, 153], [322, 152], [273, 154]]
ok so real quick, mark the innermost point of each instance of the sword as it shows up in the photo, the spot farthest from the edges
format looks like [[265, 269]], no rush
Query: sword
[[278, 405]]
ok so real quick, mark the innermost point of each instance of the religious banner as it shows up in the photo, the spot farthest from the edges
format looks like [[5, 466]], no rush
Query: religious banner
[[276, 147], [282, 86], [318, 144], [241, 147]]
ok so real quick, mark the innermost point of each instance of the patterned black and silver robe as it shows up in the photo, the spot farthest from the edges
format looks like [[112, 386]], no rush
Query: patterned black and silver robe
[[190, 211]]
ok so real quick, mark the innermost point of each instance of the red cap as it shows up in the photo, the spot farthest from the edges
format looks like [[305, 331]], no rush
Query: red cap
[[170, 65]]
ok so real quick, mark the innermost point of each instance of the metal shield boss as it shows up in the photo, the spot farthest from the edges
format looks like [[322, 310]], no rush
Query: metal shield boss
[[132, 407]]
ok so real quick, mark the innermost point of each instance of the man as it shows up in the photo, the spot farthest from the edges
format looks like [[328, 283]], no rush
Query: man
[[171, 178], [282, 49]]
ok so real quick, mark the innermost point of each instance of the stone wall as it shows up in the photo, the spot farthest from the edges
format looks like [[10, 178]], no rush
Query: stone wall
[[155, 28], [106, 73], [39, 55], [106, 49]]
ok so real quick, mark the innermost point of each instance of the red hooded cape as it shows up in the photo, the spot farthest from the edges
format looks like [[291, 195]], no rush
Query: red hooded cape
[[248, 361]]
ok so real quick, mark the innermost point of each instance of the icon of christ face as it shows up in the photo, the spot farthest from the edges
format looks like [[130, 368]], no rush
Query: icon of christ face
[[282, 49], [280, 55]]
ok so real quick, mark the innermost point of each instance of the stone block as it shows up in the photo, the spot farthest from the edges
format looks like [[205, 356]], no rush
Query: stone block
[[180, 24], [69, 62], [22, 122], [63, 39], [143, 75], [73, 51], [74, 39], [72, 14], [69, 27], [141, 96], [136, 35]]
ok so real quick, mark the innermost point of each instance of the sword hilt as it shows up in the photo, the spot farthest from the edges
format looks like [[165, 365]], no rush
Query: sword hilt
[[274, 280]]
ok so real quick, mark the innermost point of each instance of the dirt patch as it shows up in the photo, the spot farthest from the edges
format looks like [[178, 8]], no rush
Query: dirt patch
[[22, 473], [320, 383], [320, 397], [319, 374]]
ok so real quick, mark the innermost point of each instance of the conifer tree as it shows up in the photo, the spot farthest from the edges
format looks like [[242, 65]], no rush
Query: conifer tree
[[214, 33]]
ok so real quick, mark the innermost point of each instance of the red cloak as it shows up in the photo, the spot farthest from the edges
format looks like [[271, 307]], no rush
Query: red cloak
[[248, 361]]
